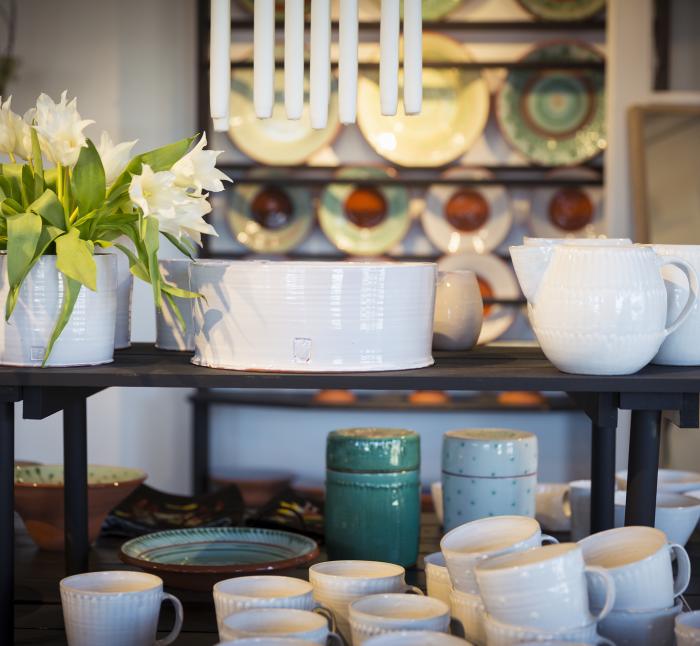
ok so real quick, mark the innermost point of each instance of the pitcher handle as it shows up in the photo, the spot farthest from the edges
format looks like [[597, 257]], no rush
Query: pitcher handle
[[608, 584], [683, 575], [692, 277], [548, 540], [170, 638], [336, 639], [413, 589], [327, 614]]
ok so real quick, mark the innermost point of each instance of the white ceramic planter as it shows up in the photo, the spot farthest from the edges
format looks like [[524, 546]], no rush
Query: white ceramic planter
[[125, 287], [169, 332], [87, 339], [313, 316]]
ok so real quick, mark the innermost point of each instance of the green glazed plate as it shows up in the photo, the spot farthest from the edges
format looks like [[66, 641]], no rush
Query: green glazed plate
[[563, 9], [51, 475], [197, 558], [555, 117], [432, 9]]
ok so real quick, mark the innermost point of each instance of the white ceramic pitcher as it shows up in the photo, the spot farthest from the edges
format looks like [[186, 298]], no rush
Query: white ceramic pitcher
[[599, 309]]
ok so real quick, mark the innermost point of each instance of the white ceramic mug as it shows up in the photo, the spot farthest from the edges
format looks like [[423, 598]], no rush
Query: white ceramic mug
[[579, 499], [465, 546], [118, 608], [436, 494], [639, 559], [338, 583], [545, 588], [652, 628], [415, 638], [384, 613], [469, 610], [279, 622], [687, 629], [459, 311], [668, 480], [552, 507], [265, 591], [501, 634], [437, 578]]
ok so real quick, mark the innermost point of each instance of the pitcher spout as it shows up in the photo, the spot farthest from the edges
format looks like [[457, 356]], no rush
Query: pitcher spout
[[530, 264]]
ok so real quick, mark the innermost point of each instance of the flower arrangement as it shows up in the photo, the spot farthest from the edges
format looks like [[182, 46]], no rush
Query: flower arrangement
[[60, 194]]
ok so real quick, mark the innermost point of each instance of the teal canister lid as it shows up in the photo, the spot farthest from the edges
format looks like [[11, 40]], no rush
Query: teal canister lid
[[373, 450]]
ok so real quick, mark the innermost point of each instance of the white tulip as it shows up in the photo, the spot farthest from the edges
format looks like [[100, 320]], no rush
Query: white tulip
[[23, 133], [60, 129], [197, 169], [8, 137], [114, 157]]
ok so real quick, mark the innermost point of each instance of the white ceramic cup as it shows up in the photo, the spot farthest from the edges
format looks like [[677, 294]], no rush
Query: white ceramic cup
[[338, 583], [459, 311], [579, 499], [267, 641], [639, 559], [465, 546], [653, 628], [552, 507], [383, 613], [468, 610], [673, 480], [415, 638], [437, 578], [265, 591], [118, 608], [502, 634], [279, 622], [544, 588], [170, 335], [436, 494], [676, 514], [687, 629]]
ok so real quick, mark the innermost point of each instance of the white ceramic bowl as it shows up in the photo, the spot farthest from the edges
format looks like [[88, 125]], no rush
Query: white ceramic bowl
[[676, 514], [277, 622], [653, 628], [313, 316], [416, 638], [673, 480], [469, 610], [500, 634], [437, 577]]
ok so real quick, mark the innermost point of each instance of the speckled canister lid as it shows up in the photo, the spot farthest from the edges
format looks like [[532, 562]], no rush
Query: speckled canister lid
[[489, 453], [373, 450]]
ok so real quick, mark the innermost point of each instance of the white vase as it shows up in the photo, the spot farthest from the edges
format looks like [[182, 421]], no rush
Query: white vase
[[125, 286], [87, 339], [169, 332]]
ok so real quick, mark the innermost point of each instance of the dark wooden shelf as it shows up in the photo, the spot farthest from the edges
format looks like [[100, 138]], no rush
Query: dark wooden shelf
[[467, 65]]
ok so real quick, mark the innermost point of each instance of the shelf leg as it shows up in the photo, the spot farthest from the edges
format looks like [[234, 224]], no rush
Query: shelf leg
[[75, 485], [7, 526], [602, 478], [200, 447], [643, 470]]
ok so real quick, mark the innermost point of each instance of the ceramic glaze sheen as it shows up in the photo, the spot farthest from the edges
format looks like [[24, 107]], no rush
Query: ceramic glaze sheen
[[313, 316], [601, 310], [87, 339]]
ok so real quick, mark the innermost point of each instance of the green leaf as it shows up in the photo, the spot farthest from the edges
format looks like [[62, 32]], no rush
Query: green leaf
[[10, 207], [89, 179], [48, 235], [135, 265], [152, 241], [27, 185], [23, 232], [176, 291], [49, 207], [180, 245], [176, 310], [71, 290], [37, 164], [74, 259]]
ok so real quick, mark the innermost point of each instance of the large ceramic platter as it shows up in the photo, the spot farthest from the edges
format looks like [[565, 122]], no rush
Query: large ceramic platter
[[496, 280], [568, 212], [432, 9], [364, 219], [555, 117], [277, 140], [270, 218], [454, 114], [563, 9], [197, 558], [460, 219]]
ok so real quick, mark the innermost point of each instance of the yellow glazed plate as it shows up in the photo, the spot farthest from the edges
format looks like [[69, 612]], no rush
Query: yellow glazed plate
[[455, 110]]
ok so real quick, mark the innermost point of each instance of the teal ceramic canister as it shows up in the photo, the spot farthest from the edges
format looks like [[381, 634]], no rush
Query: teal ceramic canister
[[488, 472], [372, 505]]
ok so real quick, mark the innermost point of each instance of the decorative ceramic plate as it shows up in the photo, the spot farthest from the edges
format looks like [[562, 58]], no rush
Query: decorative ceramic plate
[[277, 140], [454, 114], [554, 117], [37, 475], [460, 219], [496, 280], [568, 211], [432, 9], [197, 558], [248, 5], [563, 9], [270, 218], [364, 219]]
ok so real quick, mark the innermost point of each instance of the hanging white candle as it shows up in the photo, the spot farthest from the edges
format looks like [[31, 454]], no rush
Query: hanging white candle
[[294, 58], [220, 63], [347, 66], [389, 57], [320, 65], [412, 56], [264, 58]]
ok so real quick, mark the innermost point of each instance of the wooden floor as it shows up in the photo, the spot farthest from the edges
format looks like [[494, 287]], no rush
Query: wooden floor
[[39, 621]]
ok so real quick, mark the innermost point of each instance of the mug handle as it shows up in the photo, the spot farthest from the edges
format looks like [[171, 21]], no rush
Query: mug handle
[[327, 614], [604, 641], [412, 589], [548, 540], [692, 277], [683, 576], [608, 584], [335, 638], [169, 639]]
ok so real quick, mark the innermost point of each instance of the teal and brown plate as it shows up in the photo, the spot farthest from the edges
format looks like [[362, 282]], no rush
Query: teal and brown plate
[[555, 116], [196, 558], [563, 10]]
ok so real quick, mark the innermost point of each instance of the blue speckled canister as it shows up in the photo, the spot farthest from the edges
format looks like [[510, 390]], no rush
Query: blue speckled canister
[[373, 495], [488, 472]]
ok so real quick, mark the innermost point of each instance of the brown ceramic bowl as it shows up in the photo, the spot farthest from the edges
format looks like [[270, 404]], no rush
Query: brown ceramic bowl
[[39, 499], [257, 486]]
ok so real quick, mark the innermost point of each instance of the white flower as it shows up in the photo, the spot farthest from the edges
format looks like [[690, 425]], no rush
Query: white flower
[[60, 129], [197, 169], [114, 157], [23, 133], [7, 128]]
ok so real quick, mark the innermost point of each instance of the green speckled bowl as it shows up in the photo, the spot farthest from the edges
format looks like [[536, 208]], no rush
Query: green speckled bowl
[[197, 558]]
